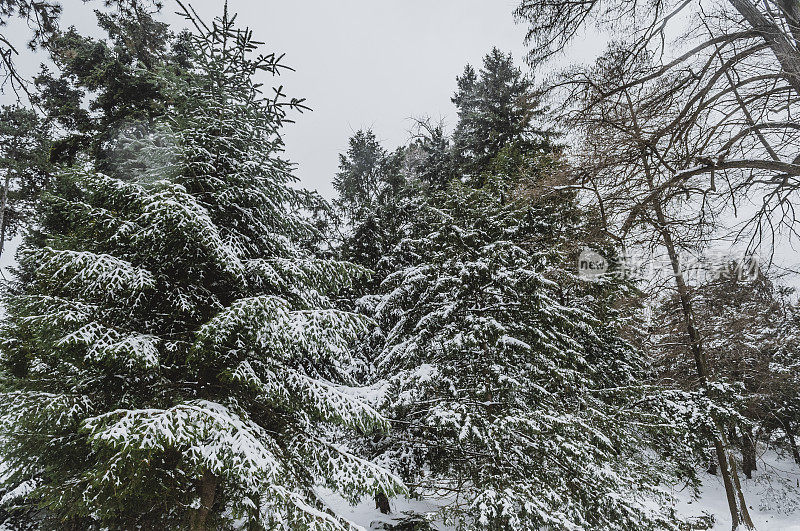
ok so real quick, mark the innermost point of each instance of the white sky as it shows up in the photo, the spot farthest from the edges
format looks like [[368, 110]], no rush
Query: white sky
[[359, 63], [371, 63]]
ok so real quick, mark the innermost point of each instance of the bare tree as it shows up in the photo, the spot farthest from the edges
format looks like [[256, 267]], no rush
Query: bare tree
[[625, 160], [736, 70], [749, 328], [678, 132]]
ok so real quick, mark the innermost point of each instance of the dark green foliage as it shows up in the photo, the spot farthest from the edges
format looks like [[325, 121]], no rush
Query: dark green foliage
[[119, 73], [42, 17], [24, 167], [506, 373], [373, 190], [170, 357], [496, 108], [368, 177], [430, 156]]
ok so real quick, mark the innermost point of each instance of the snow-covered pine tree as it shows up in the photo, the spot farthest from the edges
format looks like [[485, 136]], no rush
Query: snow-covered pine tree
[[511, 388], [170, 357], [368, 176], [430, 155], [373, 191]]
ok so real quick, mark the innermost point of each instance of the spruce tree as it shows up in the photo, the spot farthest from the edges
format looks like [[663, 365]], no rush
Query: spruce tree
[[430, 156], [496, 108], [171, 358], [103, 89], [372, 188], [368, 176], [509, 380], [24, 167]]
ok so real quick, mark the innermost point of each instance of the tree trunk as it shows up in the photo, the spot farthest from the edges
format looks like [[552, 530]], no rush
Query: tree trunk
[[207, 489], [781, 46], [748, 454], [725, 460], [787, 428], [382, 503], [791, 12], [3, 203], [712, 466]]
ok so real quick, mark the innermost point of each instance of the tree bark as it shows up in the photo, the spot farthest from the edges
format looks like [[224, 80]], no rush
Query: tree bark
[[712, 466], [207, 489], [787, 428], [748, 454], [782, 47], [791, 12], [3, 203], [382, 503], [725, 460]]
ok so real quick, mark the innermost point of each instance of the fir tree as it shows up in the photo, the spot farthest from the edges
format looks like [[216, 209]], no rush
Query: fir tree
[[496, 108], [24, 167], [171, 358], [507, 376], [104, 88], [372, 188], [104, 91], [430, 156], [368, 176]]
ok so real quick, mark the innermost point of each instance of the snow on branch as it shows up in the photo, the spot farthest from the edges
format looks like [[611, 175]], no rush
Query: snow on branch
[[88, 275], [209, 435]]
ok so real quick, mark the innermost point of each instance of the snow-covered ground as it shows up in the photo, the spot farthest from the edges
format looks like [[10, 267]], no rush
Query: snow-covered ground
[[9, 250], [367, 516], [773, 496]]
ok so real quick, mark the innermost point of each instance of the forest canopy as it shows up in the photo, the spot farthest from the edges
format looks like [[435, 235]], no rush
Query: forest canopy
[[561, 311]]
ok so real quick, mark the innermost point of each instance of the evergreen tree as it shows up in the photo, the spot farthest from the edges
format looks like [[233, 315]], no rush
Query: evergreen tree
[[496, 108], [368, 175], [24, 167], [507, 375], [171, 358], [372, 186], [42, 18], [430, 156], [105, 90], [104, 95]]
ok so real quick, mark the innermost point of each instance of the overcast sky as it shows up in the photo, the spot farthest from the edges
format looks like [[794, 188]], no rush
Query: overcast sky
[[371, 63], [359, 63]]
